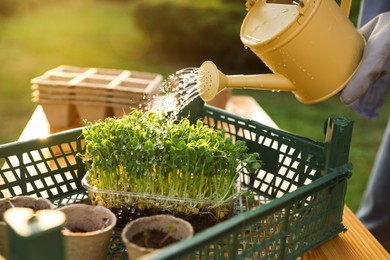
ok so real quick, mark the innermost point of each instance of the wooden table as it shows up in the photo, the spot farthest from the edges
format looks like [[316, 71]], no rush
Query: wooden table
[[356, 243]]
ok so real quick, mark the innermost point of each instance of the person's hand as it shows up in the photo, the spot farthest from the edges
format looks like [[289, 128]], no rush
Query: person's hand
[[371, 80]]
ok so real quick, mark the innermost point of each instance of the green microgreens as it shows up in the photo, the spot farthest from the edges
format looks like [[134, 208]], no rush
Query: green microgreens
[[145, 152]]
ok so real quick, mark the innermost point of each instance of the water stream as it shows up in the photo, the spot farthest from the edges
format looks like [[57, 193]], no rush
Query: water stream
[[177, 92]]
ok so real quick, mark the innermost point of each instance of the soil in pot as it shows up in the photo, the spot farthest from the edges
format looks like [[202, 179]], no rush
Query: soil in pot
[[153, 239]]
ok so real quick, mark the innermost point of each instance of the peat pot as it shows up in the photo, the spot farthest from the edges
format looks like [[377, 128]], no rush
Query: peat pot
[[88, 230], [174, 228]]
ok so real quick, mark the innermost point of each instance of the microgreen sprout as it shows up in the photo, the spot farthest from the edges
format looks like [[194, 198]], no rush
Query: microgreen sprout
[[146, 235], [170, 230]]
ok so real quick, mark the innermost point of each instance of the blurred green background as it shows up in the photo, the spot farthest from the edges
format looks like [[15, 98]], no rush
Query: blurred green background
[[160, 36]]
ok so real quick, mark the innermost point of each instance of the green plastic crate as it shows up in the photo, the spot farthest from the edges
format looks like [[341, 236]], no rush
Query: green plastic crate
[[300, 188]]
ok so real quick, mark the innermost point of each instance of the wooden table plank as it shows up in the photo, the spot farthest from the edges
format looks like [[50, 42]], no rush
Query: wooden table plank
[[356, 243]]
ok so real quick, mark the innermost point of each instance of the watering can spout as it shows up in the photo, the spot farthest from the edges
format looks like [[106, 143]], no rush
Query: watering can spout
[[211, 81]]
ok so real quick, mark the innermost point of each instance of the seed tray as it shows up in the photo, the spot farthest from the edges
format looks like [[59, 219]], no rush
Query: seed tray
[[93, 93], [297, 197]]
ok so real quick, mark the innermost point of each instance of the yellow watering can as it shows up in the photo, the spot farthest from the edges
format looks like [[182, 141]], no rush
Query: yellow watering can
[[310, 46]]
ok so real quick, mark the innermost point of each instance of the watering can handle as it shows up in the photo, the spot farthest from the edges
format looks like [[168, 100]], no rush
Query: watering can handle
[[345, 5]]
